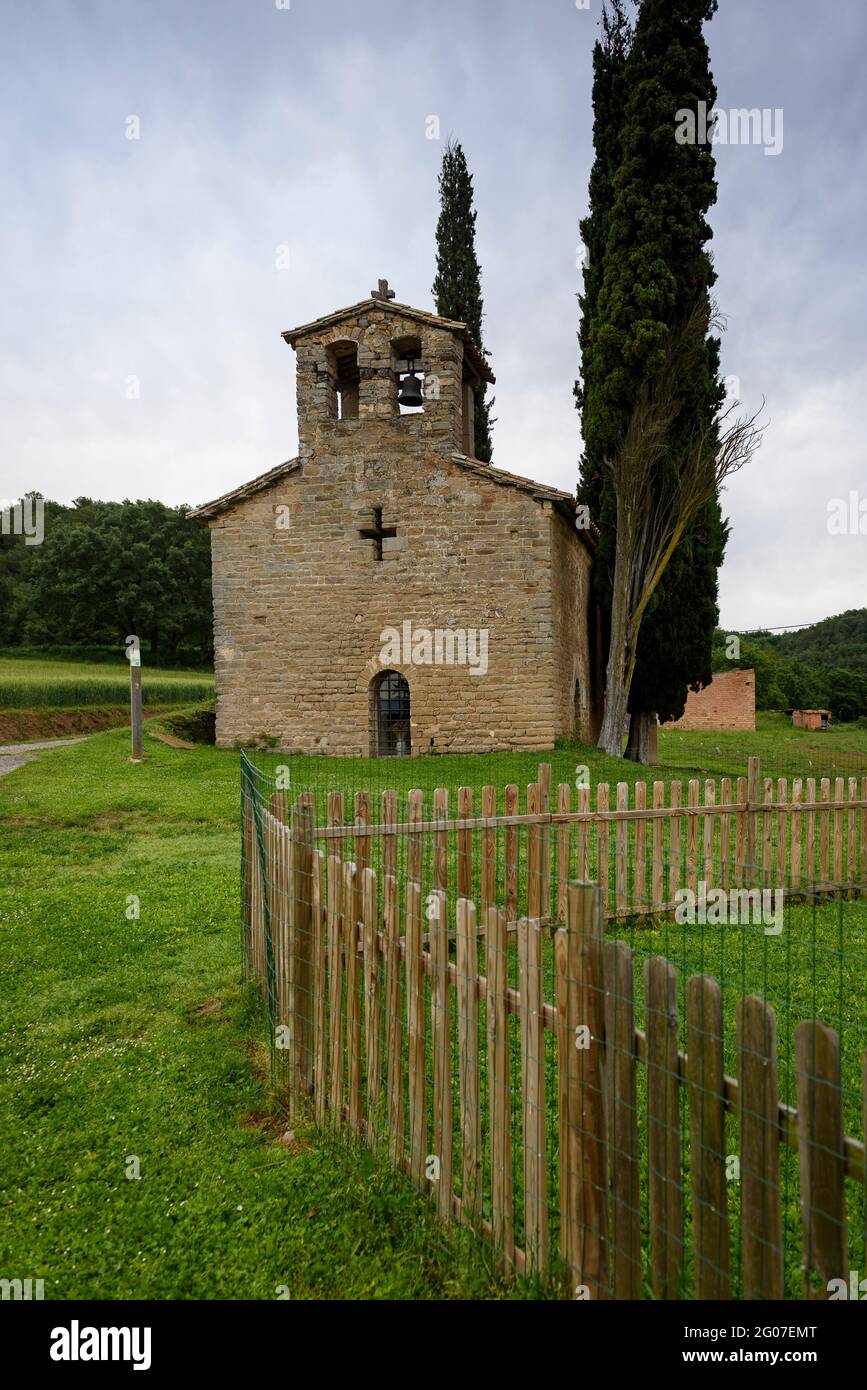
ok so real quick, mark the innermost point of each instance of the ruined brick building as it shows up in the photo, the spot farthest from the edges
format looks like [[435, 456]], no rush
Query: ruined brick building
[[384, 592]]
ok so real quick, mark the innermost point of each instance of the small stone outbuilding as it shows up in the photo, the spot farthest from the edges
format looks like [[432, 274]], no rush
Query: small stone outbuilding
[[811, 718]]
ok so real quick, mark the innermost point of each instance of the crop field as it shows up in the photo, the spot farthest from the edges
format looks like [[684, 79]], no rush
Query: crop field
[[39, 683]]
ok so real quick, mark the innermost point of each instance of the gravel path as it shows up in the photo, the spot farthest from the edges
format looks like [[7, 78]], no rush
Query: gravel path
[[14, 755]]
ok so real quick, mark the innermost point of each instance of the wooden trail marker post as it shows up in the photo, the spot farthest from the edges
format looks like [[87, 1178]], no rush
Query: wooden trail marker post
[[133, 656]]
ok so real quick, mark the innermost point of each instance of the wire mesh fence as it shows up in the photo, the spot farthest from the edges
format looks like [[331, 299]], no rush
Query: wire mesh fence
[[619, 1032]]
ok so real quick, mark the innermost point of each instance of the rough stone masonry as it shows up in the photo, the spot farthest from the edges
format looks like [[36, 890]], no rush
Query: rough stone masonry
[[383, 519]]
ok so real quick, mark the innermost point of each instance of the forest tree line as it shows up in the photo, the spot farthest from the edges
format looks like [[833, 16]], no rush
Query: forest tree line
[[105, 570]]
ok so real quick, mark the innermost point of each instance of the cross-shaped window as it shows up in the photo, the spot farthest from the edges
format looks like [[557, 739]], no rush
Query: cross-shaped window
[[377, 533]]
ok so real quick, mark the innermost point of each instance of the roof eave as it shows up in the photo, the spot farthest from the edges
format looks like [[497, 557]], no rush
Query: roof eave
[[208, 510]]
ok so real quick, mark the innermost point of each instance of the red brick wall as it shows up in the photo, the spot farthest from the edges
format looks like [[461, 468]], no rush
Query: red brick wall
[[808, 718], [729, 702]]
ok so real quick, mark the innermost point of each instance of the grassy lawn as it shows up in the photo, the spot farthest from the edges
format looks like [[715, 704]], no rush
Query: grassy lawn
[[129, 1037], [784, 751], [132, 1038], [28, 682]]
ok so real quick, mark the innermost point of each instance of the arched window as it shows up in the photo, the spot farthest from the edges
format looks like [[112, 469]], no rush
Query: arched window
[[390, 722]]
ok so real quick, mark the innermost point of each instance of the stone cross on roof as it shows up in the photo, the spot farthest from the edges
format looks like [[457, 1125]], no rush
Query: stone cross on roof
[[383, 292]]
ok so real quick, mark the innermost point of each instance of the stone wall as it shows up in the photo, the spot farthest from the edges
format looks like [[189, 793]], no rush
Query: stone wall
[[300, 610], [729, 702]]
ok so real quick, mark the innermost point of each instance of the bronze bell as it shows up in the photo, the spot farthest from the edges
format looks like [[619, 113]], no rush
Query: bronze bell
[[410, 388]]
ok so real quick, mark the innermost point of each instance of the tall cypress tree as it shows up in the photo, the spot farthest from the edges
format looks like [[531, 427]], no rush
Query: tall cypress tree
[[609, 98], [656, 270], [610, 54], [457, 287]]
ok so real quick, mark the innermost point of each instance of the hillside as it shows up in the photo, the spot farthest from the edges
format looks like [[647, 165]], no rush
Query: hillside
[[822, 666], [839, 641]]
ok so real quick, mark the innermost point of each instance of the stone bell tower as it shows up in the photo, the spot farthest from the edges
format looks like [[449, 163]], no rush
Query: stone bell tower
[[354, 365]]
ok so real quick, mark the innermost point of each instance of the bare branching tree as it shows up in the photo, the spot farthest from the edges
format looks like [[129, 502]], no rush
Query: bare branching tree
[[655, 504]]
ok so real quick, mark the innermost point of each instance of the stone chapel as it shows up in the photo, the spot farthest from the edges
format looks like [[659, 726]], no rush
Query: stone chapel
[[385, 593]]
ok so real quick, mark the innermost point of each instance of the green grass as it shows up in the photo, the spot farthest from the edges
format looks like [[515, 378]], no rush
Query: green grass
[[27, 683], [133, 1037], [783, 749]]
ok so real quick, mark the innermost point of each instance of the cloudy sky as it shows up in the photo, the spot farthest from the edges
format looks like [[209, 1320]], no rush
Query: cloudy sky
[[275, 130]]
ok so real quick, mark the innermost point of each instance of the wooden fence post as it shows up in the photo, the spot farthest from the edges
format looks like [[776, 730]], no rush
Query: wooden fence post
[[372, 1002], [440, 876], [415, 1026], [782, 833], [544, 781], [657, 850], [622, 1104], [320, 1084], [706, 1090], [751, 844], [335, 988], [564, 796], [761, 1214], [795, 873], [489, 850], [301, 851], [533, 1086], [810, 836], [639, 877], [663, 1127], [708, 836], [675, 839], [621, 851], [464, 845], [353, 1000], [496, 966], [388, 815], [535, 854], [441, 1043], [468, 1055], [602, 842], [510, 888], [824, 834], [393, 1020], [822, 1165], [581, 989], [692, 837], [725, 833], [278, 876]]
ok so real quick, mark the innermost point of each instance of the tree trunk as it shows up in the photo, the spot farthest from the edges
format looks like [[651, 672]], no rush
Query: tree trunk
[[618, 672], [616, 683], [641, 746]]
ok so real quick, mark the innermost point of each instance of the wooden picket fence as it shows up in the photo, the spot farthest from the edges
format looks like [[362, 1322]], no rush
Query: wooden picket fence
[[510, 1079], [641, 844]]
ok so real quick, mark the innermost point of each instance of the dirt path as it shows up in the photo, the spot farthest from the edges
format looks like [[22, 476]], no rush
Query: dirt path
[[14, 755]]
